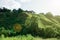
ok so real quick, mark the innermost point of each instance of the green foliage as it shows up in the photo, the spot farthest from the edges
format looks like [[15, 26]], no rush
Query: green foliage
[[44, 25], [26, 37]]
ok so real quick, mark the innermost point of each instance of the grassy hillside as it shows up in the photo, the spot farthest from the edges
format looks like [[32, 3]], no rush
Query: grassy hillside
[[20, 22]]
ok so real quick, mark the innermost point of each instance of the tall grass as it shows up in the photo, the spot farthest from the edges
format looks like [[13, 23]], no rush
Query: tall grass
[[25, 37]]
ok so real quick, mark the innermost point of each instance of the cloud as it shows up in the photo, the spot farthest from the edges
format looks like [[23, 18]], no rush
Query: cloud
[[24, 1], [10, 4]]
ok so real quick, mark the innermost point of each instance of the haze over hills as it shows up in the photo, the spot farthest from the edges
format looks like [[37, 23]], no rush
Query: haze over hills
[[39, 6]]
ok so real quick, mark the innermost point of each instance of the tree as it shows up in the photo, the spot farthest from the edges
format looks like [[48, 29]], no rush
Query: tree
[[4, 10], [20, 10], [49, 15]]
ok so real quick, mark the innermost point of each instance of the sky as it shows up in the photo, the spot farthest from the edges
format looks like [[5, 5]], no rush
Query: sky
[[39, 6]]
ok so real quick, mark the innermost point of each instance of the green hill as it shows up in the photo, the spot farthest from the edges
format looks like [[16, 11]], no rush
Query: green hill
[[20, 22]]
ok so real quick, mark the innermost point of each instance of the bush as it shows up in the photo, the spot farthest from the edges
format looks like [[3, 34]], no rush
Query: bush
[[49, 32], [17, 27]]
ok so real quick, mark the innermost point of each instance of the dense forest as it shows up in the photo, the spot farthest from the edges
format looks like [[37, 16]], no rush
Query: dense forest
[[21, 22]]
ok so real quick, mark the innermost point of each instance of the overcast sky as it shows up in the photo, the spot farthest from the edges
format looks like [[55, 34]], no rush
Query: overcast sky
[[36, 5]]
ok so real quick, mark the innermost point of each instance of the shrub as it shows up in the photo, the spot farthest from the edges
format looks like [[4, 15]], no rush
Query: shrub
[[17, 27]]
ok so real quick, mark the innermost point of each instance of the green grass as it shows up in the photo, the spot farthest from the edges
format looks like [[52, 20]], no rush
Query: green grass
[[28, 37]]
